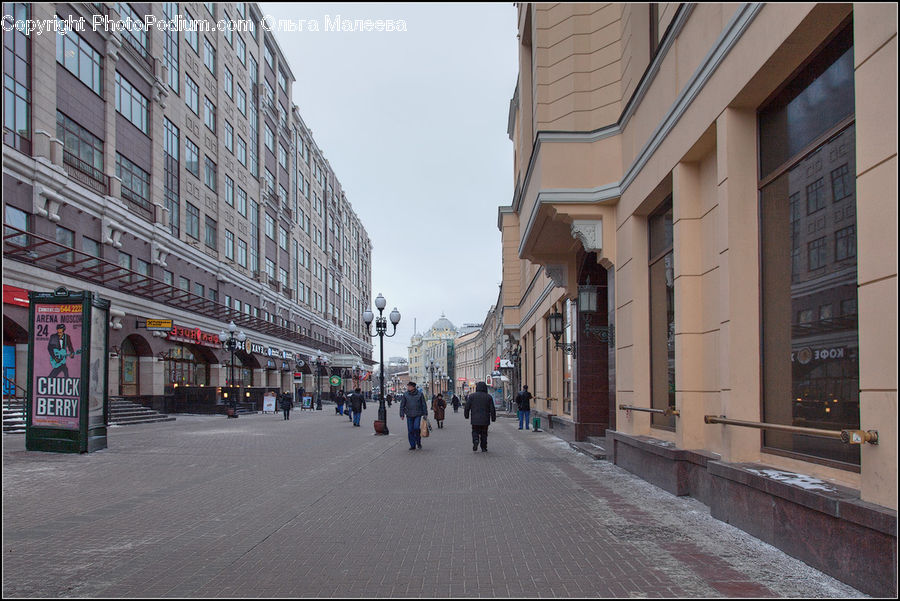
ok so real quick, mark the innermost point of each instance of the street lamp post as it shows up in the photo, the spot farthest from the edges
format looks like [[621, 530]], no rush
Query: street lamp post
[[320, 363], [230, 340], [381, 332]]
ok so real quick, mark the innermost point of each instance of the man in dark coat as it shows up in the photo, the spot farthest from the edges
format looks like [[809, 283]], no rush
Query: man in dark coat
[[357, 404], [523, 400], [455, 402], [414, 409], [480, 405], [286, 403]]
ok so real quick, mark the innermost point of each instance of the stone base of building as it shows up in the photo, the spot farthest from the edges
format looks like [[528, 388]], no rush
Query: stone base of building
[[831, 530], [568, 430]]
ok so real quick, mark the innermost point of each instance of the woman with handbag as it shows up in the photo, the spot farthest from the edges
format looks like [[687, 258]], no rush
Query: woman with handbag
[[438, 405]]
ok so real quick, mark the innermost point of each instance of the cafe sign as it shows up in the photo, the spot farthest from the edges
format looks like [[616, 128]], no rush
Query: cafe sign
[[193, 336], [252, 347]]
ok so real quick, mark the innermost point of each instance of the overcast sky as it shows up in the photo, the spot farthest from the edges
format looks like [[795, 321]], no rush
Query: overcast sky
[[414, 125]]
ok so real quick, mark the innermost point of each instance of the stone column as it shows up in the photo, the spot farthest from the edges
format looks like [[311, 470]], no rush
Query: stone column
[[739, 282]]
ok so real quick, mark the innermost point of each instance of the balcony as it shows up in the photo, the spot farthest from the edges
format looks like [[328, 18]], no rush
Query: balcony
[[85, 174]]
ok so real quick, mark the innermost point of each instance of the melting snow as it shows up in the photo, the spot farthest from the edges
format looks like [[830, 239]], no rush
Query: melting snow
[[801, 480]]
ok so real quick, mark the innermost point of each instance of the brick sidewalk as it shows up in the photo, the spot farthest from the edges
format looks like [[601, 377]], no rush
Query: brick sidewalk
[[313, 507]]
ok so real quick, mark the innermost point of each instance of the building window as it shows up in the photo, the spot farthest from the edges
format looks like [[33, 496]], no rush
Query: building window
[[270, 269], [229, 82], [135, 182], [191, 94], [192, 221], [270, 60], [170, 47], [209, 56], [282, 238], [229, 137], [270, 226], [817, 253], [810, 374], [241, 151], [242, 100], [662, 314], [282, 156], [269, 138], [282, 80], [190, 32], [17, 80], [83, 150], [210, 174], [841, 184], [135, 36], [199, 289], [845, 243], [229, 191], [241, 49], [211, 232], [172, 175], [168, 277], [227, 32], [132, 104], [191, 157], [242, 253], [815, 196], [81, 60], [65, 237], [209, 114], [242, 202], [229, 245]]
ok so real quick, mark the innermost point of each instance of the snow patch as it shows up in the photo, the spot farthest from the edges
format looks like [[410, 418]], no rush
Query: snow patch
[[801, 480]]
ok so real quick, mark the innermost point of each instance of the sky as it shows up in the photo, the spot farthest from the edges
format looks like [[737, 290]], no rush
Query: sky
[[414, 125]]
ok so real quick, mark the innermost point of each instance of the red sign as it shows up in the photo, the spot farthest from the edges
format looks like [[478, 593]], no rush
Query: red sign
[[193, 336], [15, 296], [497, 363]]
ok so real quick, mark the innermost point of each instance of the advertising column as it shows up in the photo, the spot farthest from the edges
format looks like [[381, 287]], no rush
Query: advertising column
[[67, 409]]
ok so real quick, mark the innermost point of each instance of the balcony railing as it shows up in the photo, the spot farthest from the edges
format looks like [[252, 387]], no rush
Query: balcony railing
[[33, 249], [85, 174]]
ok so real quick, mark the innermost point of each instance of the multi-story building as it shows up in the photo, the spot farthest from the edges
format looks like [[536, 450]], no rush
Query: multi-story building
[[432, 356], [169, 171], [681, 248]]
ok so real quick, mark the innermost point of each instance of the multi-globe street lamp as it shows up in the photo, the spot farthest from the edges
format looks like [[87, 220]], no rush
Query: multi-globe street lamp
[[381, 332], [230, 341], [320, 365]]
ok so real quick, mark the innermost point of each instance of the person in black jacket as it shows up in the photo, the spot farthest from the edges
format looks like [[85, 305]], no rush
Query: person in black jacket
[[286, 404], [481, 407], [523, 400], [357, 404]]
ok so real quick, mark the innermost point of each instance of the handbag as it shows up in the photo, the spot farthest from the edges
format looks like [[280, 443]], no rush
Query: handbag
[[424, 427]]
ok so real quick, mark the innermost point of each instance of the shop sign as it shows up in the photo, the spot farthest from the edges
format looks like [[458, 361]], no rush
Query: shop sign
[[273, 352], [252, 347], [193, 336], [15, 296], [287, 355], [807, 354], [335, 380], [161, 325]]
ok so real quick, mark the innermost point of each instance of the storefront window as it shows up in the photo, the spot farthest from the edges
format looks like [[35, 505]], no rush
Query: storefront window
[[186, 368], [810, 353], [662, 314]]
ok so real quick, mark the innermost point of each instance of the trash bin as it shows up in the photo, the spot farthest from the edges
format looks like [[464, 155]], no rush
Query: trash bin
[[536, 424]]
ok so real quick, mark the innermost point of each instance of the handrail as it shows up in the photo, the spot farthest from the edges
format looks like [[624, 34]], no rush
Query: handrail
[[668, 411], [845, 436], [13, 382]]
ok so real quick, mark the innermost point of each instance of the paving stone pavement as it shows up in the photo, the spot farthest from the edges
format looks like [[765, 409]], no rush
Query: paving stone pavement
[[313, 507]]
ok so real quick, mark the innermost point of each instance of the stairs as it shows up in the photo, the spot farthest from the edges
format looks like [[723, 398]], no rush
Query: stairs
[[14, 415], [125, 413], [594, 446]]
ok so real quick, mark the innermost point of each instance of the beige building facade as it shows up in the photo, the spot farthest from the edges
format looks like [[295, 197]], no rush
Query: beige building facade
[[705, 197]]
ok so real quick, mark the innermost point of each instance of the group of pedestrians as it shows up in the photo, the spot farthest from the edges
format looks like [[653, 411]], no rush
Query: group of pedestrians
[[479, 409]]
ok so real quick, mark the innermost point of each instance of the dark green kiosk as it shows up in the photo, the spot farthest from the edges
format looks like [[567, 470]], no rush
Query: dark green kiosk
[[68, 340]]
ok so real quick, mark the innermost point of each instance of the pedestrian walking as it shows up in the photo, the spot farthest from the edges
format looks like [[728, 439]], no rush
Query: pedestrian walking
[[390, 399], [414, 408], [357, 404], [350, 410], [286, 405], [480, 405], [438, 405], [455, 402], [339, 403], [523, 400]]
